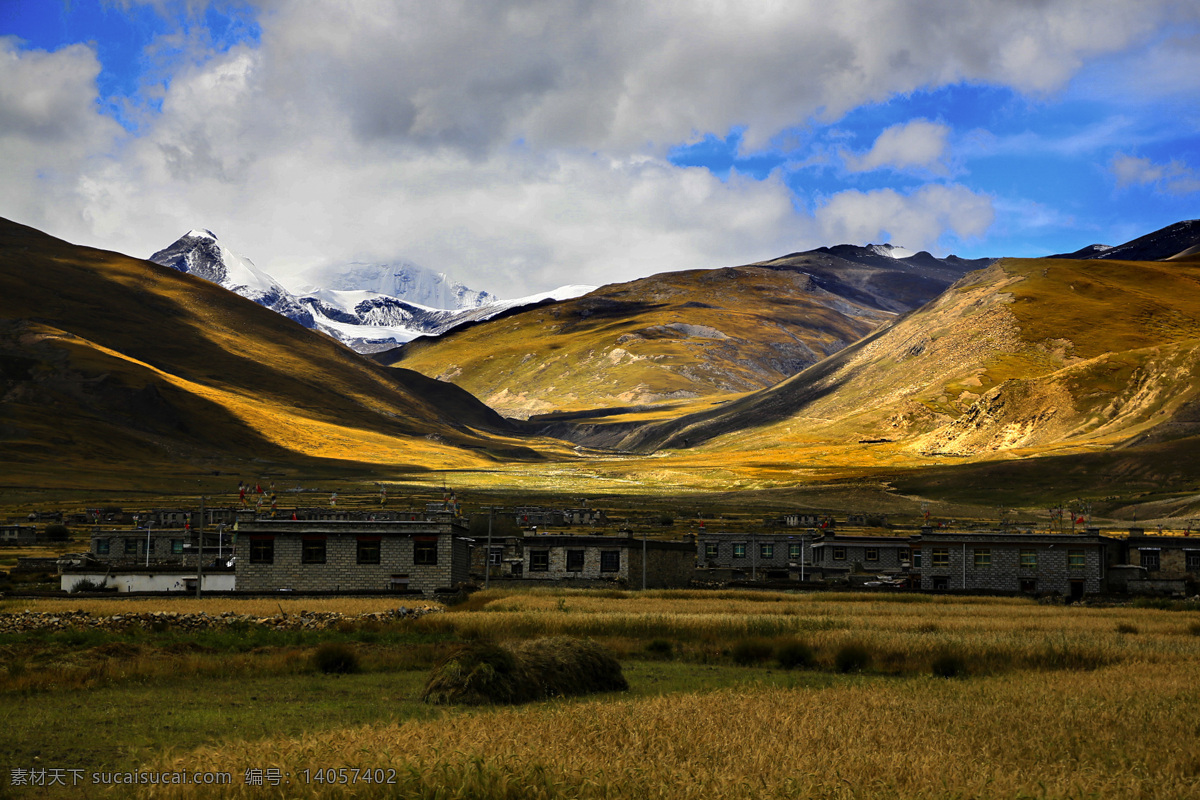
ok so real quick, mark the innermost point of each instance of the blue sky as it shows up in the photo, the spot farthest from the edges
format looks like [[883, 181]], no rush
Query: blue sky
[[521, 146]]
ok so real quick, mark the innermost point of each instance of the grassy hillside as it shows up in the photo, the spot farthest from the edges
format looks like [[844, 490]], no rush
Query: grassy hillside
[[111, 365], [1026, 358], [672, 337]]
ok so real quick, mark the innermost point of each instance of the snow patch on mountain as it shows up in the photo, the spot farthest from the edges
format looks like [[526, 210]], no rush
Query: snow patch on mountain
[[891, 251], [404, 280]]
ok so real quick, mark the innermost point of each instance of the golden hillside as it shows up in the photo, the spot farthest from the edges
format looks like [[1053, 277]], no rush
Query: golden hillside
[[1026, 357], [111, 362], [672, 337]]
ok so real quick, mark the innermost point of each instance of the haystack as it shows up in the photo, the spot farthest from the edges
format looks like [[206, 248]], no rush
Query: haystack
[[485, 673]]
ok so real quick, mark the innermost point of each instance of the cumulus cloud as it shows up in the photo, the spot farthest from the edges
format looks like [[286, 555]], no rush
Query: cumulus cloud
[[521, 144], [919, 144], [916, 220], [1173, 177]]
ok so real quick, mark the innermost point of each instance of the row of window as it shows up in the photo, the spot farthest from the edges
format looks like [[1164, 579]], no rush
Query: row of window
[[134, 546], [765, 550], [610, 560], [313, 551], [982, 558]]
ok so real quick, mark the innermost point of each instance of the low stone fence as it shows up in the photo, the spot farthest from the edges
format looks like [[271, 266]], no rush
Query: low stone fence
[[22, 621]]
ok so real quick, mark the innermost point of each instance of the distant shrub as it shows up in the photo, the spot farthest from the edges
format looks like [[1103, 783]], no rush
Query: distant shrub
[[852, 657], [795, 655], [86, 585], [58, 532], [666, 520], [949, 665], [661, 648], [1125, 627], [485, 673], [748, 652], [335, 658]]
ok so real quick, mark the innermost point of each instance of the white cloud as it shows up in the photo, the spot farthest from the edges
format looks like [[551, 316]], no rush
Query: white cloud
[[916, 220], [919, 144], [1173, 177], [520, 145]]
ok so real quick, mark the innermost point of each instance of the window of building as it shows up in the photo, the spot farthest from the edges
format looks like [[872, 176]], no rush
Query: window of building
[[368, 551], [914, 556], [872, 554], [766, 551], [1191, 560], [312, 550], [739, 550], [177, 547], [574, 561], [610, 560], [1076, 559], [262, 550], [102, 547], [425, 554], [941, 557], [539, 560], [794, 551], [839, 554], [1150, 560], [710, 549], [983, 558], [1029, 559], [496, 556], [132, 546]]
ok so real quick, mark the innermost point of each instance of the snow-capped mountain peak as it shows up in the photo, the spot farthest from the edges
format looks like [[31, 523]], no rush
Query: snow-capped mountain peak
[[198, 252]]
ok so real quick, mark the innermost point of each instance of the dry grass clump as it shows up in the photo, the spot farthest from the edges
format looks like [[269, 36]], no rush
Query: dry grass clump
[[485, 673]]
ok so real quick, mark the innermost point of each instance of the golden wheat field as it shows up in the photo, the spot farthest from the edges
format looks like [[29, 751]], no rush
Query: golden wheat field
[[1049, 701]]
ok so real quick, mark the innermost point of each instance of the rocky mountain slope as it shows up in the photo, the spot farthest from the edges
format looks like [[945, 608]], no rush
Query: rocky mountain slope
[[112, 361], [682, 336]]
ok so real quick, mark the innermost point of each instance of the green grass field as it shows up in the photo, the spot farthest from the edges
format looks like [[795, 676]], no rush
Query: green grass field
[[732, 694]]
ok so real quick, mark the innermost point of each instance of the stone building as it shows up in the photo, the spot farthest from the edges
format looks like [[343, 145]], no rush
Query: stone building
[[168, 546], [765, 556], [872, 554], [608, 559], [351, 555], [1157, 564], [14, 535], [1068, 564]]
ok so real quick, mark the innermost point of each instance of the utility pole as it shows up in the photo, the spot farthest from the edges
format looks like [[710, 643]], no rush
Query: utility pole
[[643, 559], [487, 560], [148, 526], [200, 549]]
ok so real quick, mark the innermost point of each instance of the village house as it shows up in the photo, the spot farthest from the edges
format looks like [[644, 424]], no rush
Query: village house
[[599, 560], [1156, 564], [765, 556], [1071, 565], [351, 555], [17, 535], [837, 554], [167, 546]]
